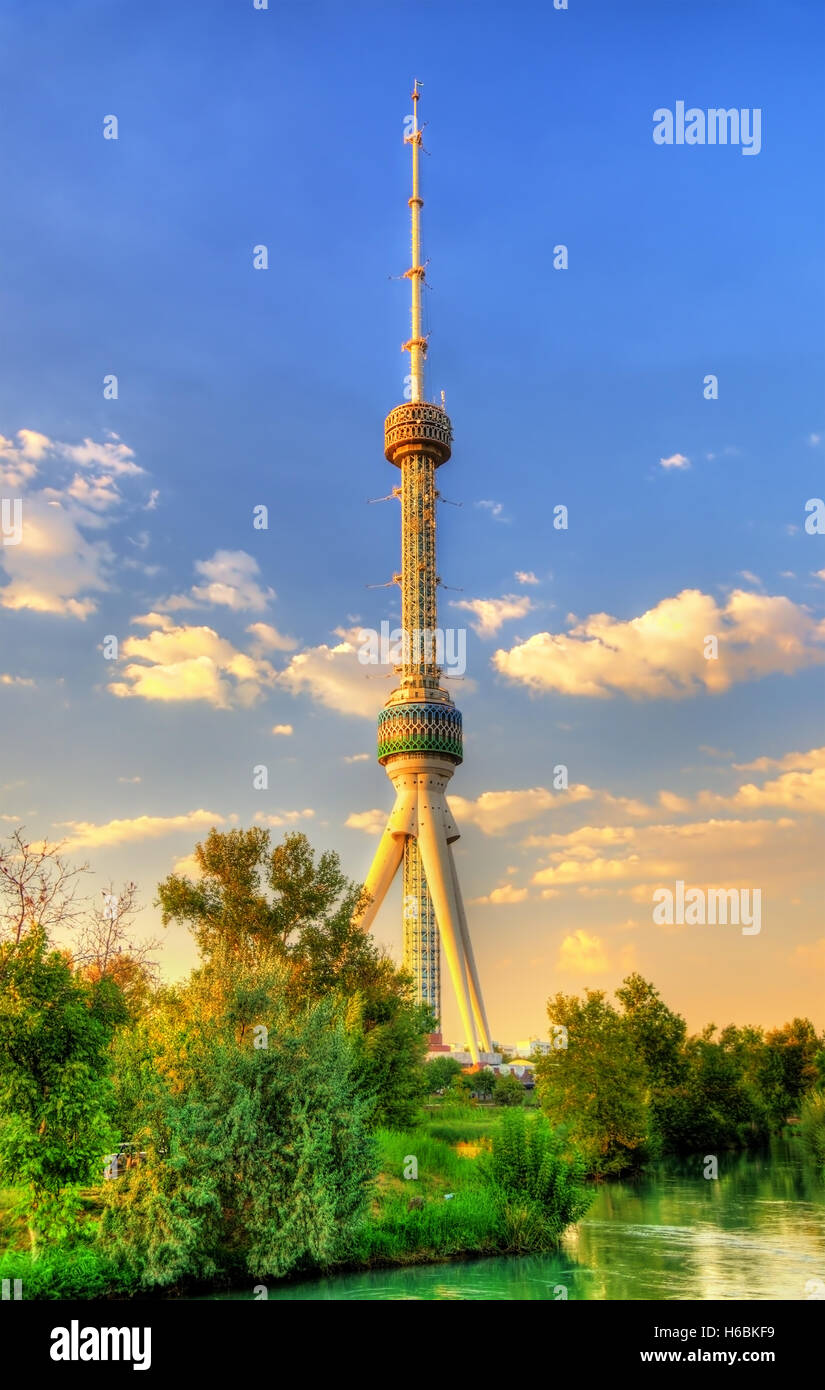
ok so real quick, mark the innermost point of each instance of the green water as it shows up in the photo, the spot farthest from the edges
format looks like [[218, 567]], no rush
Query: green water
[[756, 1232]]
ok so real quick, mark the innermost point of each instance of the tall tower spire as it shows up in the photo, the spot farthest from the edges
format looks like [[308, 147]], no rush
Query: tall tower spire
[[419, 729], [417, 345]]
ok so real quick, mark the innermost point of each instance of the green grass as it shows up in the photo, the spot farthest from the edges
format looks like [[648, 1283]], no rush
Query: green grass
[[81, 1271]]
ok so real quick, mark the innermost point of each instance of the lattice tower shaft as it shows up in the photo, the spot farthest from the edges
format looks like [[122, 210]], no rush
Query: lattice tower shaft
[[422, 953]]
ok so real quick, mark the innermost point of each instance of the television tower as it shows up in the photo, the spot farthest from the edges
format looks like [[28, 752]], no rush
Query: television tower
[[419, 728]]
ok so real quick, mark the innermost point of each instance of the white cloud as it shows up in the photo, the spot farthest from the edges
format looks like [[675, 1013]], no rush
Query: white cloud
[[676, 461], [6, 679], [505, 894], [190, 663], [357, 758], [283, 817], [113, 456], [494, 812], [55, 568], [232, 582], [788, 762], [86, 834], [187, 867], [582, 954], [661, 653], [371, 822], [98, 492], [496, 509], [18, 462], [491, 613], [526, 577], [335, 677], [284, 729], [268, 639]]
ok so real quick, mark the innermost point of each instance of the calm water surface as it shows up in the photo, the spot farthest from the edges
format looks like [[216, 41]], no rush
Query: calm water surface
[[756, 1232]]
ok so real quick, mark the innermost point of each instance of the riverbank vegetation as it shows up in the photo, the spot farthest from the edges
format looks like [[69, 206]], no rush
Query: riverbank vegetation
[[631, 1085], [273, 1114]]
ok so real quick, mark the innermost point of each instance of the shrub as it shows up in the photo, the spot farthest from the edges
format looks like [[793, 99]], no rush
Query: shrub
[[812, 1125], [540, 1188]]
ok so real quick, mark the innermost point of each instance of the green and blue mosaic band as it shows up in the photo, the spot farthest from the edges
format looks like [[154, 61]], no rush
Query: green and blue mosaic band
[[420, 728]]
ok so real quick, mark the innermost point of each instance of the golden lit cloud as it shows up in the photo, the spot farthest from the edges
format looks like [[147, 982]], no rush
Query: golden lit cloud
[[492, 613], [55, 567], [282, 818], [507, 893], [661, 654], [582, 954], [335, 677], [268, 639], [190, 663], [85, 834], [371, 822]]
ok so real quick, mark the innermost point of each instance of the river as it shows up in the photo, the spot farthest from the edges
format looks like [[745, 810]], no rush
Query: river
[[755, 1232]]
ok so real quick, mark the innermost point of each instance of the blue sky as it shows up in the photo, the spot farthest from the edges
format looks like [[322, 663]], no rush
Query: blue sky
[[237, 387]]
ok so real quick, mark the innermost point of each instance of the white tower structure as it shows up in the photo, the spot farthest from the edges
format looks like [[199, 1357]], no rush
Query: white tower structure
[[419, 728]]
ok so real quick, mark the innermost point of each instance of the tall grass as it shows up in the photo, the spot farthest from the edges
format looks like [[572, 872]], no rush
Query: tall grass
[[812, 1125], [80, 1271]]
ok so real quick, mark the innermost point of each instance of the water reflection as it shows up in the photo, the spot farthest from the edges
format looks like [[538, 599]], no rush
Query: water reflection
[[754, 1232]]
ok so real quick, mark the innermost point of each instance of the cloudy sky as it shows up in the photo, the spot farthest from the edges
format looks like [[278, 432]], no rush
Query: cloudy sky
[[581, 388]]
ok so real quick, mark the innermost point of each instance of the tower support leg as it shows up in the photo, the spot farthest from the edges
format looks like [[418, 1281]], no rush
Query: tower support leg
[[476, 998], [382, 872], [435, 856]]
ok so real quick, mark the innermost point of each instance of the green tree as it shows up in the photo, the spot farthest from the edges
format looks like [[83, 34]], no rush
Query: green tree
[[484, 1083], [508, 1090], [712, 1108], [258, 1157], [657, 1033], [54, 1091], [439, 1072], [254, 904], [790, 1067], [597, 1087]]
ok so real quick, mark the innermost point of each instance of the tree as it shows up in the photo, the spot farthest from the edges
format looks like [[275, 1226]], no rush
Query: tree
[[790, 1067], [258, 1156], [657, 1033], [712, 1107], [38, 888], [257, 905], [597, 1086], [439, 1072], [107, 949], [461, 1088], [54, 1091], [484, 1083], [508, 1090]]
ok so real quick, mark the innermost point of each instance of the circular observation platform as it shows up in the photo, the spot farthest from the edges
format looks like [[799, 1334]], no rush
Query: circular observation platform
[[418, 427]]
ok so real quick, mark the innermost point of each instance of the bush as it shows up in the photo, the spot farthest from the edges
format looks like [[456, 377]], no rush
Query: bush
[[812, 1126], [540, 1188], [258, 1159]]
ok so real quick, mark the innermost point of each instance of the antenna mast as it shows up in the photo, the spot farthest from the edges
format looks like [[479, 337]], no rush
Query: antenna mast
[[417, 345]]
